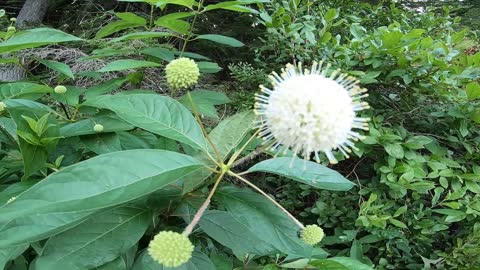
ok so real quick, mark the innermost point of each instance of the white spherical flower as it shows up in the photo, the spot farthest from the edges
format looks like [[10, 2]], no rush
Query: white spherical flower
[[310, 112]]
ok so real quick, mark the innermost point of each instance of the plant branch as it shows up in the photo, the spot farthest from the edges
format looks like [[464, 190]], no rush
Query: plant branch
[[188, 230]]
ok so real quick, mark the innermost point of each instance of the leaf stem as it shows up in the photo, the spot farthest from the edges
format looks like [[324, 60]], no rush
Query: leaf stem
[[188, 230], [268, 197], [239, 152], [220, 159]]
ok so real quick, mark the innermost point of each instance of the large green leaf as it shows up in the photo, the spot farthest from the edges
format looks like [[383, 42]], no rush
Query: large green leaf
[[23, 89], [67, 197], [97, 241], [228, 231], [265, 221], [10, 253], [340, 263], [199, 261], [141, 35], [110, 123], [158, 114], [35, 38], [230, 132], [222, 40], [307, 172], [124, 64], [60, 67]]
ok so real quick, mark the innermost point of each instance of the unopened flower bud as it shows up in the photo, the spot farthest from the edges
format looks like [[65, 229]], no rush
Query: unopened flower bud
[[98, 128], [60, 89], [170, 248], [312, 234]]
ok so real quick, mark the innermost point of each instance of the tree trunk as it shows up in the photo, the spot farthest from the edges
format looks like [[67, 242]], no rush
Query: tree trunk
[[32, 13]]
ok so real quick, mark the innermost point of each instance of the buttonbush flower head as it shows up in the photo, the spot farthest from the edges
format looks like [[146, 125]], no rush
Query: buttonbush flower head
[[2, 106], [170, 248], [60, 89], [312, 234], [98, 128], [309, 112], [13, 20], [182, 73], [11, 29]]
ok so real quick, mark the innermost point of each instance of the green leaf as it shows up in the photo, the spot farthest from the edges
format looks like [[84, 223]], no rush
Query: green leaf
[[229, 133], [9, 253], [330, 15], [95, 242], [23, 90], [225, 229], [208, 67], [110, 123], [105, 87], [222, 40], [141, 35], [264, 220], [131, 18], [398, 223], [13, 190], [117, 264], [125, 64], [102, 143], [340, 263], [69, 196], [395, 150], [417, 142], [205, 102], [473, 90], [185, 3], [161, 53], [176, 25], [158, 114], [199, 261], [35, 38], [34, 154], [114, 27], [60, 67], [307, 172]]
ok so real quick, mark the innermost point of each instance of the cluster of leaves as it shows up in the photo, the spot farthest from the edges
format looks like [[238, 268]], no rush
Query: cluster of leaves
[[87, 177], [418, 203]]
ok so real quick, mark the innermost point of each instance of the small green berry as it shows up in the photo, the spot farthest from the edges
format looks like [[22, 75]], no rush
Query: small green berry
[[11, 29], [2, 106], [182, 73], [13, 20], [170, 248], [312, 234], [60, 89], [98, 128]]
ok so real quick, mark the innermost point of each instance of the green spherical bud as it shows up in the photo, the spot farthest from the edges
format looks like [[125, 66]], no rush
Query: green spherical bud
[[170, 248], [98, 128], [13, 20], [182, 73], [2, 106], [312, 234], [60, 89], [11, 29]]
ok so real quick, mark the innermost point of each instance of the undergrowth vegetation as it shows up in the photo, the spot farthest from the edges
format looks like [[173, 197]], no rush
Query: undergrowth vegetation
[[132, 143]]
